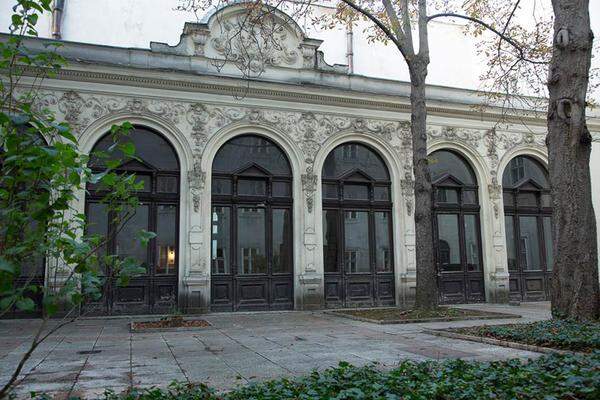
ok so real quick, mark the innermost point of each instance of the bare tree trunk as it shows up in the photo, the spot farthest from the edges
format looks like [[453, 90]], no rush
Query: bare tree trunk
[[427, 285], [575, 291]]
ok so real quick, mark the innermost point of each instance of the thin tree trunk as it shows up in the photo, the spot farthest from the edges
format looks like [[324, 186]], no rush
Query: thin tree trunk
[[575, 291], [427, 289]]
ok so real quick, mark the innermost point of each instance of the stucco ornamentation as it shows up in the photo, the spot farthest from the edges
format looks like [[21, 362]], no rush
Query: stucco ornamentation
[[309, 186], [197, 117], [253, 47], [407, 185], [196, 180], [470, 136]]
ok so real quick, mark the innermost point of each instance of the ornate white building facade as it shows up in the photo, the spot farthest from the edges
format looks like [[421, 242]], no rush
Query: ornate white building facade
[[300, 106]]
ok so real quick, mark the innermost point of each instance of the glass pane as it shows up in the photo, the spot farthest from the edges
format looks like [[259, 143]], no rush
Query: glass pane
[[221, 186], [221, 240], [469, 197], [444, 195], [511, 250], [282, 189], [166, 233], [150, 147], [382, 193], [444, 162], [546, 200], [356, 192], [527, 199], [166, 184], [529, 243], [383, 248], [472, 243], [330, 191], [128, 243], [251, 249], [97, 220], [508, 199], [241, 150], [247, 187], [351, 156], [146, 182], [330, 240], [356, 241], [282, 241], [521, 169], [547, 221], [448, 243]]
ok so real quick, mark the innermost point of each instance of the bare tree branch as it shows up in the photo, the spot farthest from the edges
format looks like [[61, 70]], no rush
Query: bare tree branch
[[503, 36], [378, 23]]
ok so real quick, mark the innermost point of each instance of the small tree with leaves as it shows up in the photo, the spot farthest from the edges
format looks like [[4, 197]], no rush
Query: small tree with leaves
[[42, 172]]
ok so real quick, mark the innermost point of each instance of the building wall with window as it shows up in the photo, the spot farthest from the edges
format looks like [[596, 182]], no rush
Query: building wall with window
[[305, 165]]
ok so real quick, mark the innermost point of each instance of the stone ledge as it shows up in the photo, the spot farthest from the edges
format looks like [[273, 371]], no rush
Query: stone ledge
[[420, 320], [497, 342]]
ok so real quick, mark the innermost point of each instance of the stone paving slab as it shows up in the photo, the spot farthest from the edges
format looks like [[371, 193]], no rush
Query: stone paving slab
[[238, 348]]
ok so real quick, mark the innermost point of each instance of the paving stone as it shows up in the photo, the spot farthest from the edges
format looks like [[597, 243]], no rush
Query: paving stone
[[239, 348]]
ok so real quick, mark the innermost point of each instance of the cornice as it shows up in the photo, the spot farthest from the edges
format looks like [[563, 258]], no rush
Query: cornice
[[294, 93]]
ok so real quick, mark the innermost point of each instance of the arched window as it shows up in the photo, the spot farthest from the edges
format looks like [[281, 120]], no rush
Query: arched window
[[457, 230], [157, 166], [357, 228], [251, 246], [528, 223]]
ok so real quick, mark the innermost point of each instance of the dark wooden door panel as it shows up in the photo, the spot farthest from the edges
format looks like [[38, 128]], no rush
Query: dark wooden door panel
[[452, 289]]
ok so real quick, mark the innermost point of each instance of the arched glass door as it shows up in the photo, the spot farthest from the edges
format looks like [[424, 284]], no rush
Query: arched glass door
[[357, 228], [528, 223], [457, 235], [251, 246], [156, 165]]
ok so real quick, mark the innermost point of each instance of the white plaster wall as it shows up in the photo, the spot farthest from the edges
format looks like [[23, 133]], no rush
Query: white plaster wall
[[135, 23]]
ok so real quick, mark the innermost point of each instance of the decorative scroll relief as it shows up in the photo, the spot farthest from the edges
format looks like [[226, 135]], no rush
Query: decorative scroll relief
[[465, 135], [201, 121], [253, 46], [309, 186]]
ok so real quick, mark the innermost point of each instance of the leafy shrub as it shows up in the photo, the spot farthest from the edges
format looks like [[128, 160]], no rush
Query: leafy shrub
[[549, 377], [555, 333]]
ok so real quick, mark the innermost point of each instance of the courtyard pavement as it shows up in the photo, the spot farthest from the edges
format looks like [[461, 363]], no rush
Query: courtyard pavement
[[91, 355]]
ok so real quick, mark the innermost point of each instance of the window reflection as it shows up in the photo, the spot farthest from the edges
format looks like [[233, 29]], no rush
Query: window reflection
[[166, 229], [356, 241], [252, 257], [444, 162], [128, 243], [221, 240], [152, 149], [529, 243], [240, 151], [523, 168], [383, 254], [548, 242], [472, 242], [282, 245], [449, 245], [330, 240], [354, 156], [510, 242]]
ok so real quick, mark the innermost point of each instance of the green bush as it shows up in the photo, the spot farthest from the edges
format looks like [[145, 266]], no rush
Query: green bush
[[555, 333], [549, 377]]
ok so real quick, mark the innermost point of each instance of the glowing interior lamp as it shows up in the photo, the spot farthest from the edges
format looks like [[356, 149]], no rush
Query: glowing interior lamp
[[170, 255]]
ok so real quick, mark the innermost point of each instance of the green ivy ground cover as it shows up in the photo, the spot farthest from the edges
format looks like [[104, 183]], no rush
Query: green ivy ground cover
[[549, 377], [559, 334]]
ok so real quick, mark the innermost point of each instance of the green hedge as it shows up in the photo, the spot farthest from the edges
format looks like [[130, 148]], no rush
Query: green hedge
[[556, 333], [549, 377]]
